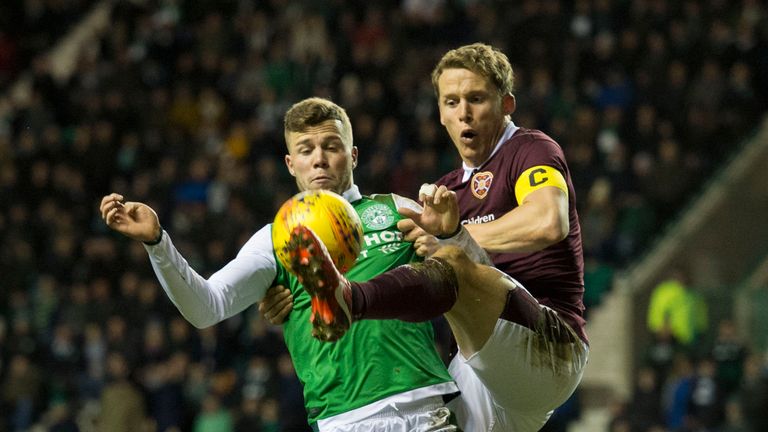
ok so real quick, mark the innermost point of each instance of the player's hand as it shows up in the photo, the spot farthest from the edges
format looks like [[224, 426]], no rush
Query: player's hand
[[441, 210], [276, 304], [425, 244], [132, 219]]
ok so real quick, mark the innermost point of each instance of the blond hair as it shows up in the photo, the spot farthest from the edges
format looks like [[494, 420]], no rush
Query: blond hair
[[481, 59], [313, 111]]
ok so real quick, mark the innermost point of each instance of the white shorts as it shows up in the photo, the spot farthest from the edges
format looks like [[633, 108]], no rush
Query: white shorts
[[425, 415], [515, 381]]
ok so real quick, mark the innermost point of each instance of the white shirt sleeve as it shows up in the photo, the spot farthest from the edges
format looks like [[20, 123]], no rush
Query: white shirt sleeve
[[401, 201], [229, 291]]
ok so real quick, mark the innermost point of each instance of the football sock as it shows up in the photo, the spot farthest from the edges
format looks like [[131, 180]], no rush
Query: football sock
[[413, 292]]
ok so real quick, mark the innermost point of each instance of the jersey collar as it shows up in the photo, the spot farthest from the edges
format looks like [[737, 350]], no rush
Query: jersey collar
[[508, 132], [352, 194]]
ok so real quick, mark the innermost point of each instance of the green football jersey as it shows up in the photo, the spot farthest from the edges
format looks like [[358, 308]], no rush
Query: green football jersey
[[376, 358]]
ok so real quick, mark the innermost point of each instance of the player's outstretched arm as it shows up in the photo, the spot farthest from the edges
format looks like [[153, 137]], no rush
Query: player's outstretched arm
[[135, 220], [203, 302]]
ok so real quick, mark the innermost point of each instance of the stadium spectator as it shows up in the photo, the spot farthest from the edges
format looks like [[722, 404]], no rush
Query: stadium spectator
[[728, 352], [248, 418], [676, 394], [661, 352], [734, 417], [22, 392], [213, 417], [676, 306], [645, 412], [122, 403], [753, 392], [707, 399]]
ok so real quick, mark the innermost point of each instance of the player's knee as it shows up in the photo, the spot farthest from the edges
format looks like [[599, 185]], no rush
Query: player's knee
[[460, 262], [455, 256]]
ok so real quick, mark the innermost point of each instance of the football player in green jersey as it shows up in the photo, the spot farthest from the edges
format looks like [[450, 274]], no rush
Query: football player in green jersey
[[385, 375]]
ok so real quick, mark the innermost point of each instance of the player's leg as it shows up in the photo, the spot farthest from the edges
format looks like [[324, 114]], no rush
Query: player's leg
[[529, 365], [415, 292], [514, 351], [482, 294], [472, 296], [526, 373]]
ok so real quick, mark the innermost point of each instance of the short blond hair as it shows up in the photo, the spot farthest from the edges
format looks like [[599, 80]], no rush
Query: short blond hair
[[313, 111], [481, 59]]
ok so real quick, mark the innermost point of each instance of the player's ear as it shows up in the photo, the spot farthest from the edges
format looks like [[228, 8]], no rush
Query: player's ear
[[289, 164], [354, 156], [509, 104]]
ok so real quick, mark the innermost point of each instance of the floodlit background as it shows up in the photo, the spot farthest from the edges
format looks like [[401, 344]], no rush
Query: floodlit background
[[658, 104]]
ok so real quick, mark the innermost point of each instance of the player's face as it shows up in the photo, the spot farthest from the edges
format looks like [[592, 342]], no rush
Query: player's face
[[320, 159], [473, 112]]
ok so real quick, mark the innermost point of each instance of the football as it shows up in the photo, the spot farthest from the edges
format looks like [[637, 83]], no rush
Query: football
[[329, 216]]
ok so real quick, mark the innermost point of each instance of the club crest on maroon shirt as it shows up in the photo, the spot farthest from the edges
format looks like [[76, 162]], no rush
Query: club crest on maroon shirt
[[481, 183]]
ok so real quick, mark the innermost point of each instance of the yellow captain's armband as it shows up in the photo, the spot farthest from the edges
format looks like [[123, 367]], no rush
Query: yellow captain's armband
[[536, 178]]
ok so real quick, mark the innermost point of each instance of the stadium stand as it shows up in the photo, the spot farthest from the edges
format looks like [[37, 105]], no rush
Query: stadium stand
[[179, 104]]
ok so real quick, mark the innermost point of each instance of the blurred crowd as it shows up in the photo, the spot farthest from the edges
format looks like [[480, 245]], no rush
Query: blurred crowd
[[180, 105], [693, 378], [43, 25]]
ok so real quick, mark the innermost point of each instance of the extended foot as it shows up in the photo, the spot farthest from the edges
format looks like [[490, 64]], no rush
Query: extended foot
[[329, 290]]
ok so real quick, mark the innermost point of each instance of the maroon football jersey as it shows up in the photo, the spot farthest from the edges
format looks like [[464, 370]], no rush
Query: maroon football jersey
[[554, 275]]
